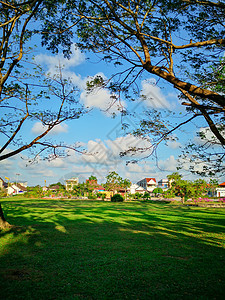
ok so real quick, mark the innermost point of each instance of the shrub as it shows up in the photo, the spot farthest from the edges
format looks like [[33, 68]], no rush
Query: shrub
[[117, 198], [146, 196]]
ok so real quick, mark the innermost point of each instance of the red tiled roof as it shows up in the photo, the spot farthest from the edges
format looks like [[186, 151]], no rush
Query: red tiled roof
[[149, 179], [222, 184]]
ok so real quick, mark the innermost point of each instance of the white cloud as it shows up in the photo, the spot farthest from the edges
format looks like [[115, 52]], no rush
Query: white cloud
[[53, 62], [170, 164], [153, 95], [38, 128], [102, 99], [98, 98], [208, 136], [174, 144]]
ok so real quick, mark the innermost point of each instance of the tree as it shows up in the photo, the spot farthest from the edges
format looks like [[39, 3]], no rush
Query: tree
[[117, 198], [113, 181], [146, 196], [126, 183], [186, 188], [92, 177], [27, 94], [177, 41], [157, 191]]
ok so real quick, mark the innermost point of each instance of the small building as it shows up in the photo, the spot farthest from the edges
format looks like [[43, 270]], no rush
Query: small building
[[135, 188], [54, 188], [15, 189], [149, 184], [218, 192], [3, 184], [70, 183], [93, 185], [163, 184]]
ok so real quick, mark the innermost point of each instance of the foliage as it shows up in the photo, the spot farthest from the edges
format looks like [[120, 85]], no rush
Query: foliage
[[101, 195], [92, 177], [113, 181], [30, 95], [169, 193], [61, 186], [157, 191], [146, 196], [3, 193], [34, 192], [82, 189], [186, 188], [137, 196], [180, 42], [117, 198]]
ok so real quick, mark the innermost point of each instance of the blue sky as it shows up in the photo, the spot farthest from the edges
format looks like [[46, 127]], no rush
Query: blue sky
[[99, 133]]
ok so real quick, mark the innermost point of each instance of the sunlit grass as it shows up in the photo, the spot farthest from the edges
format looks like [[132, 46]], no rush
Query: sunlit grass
[[73, 249]]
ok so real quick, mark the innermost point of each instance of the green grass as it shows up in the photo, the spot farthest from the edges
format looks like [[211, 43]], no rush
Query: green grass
[[73, 249]]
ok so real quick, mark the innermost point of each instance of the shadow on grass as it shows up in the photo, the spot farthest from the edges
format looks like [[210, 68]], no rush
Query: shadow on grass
[[97, 250]]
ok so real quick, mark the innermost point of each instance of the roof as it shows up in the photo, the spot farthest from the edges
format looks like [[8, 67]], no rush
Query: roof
[[21, 187], [222, 184], [54, 187], [94, 185], [149, 179]]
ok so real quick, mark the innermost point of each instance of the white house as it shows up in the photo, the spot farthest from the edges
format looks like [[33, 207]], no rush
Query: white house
[[134, 188], [218, 192], [70, 183], [163, 184], [148, 184], [15, 189]]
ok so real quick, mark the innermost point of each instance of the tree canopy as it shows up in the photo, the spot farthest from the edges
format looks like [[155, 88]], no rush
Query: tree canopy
[[27, 93], [181, 42]]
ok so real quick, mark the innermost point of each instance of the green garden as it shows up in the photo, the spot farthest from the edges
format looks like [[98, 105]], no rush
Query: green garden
[[71, 249]]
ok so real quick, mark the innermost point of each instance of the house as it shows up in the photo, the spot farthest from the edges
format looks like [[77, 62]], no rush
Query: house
[[70, 183], [93, 185], [163, 184], [54, 188], [23, 183], [135, 188], [218, 192], [15, 189], [149, 184], [3, 184]]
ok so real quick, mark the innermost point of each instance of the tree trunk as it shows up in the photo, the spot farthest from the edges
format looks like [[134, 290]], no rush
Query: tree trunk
[[3, 223]]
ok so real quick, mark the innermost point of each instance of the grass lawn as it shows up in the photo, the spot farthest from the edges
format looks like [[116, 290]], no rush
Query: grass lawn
[[72, 249]]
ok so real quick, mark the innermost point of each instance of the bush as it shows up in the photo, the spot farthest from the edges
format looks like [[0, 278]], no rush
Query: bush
[[117, 198]]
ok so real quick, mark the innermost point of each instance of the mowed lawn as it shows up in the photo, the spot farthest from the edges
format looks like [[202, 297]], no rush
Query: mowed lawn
[[70, 249]]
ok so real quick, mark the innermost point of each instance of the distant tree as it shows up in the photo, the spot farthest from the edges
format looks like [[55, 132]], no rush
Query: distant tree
[[126, 183], [81, 190], [212, 186], [61, 186], [146, 196], [117, 198], [137, 196], [169, 193], [113, 181], [157, 191], [186, 188], [92, 177]]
